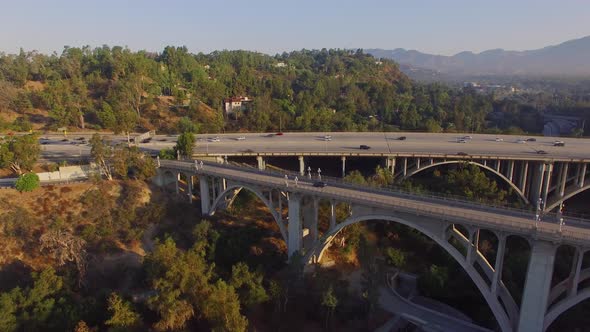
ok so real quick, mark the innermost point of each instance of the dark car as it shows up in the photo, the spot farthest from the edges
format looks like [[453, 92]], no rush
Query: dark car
[[402, 138], [280, 133], [531, 139], [541, 152], [319, 184], [364, 147], [462, 154]]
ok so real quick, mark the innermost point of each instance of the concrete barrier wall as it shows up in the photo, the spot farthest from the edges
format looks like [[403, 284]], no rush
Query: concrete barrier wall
[[69, 173]]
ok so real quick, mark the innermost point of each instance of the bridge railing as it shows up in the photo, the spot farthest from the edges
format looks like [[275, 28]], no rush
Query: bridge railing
[[445, 199]]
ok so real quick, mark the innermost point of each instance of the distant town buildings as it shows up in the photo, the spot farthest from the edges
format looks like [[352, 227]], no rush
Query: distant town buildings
[[235, 105]]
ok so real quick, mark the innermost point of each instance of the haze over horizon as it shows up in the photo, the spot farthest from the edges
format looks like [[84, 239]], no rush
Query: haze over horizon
[[428, 26]]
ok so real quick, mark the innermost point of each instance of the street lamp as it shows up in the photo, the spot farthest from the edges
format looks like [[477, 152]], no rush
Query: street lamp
[[309, 172], [319, 174], [538, 213], [560, 216]]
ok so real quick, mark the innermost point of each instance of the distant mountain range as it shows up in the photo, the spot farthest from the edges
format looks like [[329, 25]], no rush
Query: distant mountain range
[[571, 58]]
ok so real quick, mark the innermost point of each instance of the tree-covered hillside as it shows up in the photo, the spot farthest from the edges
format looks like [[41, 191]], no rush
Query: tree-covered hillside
[[320, 90]]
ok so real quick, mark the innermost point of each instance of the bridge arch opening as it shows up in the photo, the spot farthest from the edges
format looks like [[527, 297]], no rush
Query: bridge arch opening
[[578, 199], [497, 315], [569, 303], [237, 197], [500, 179]]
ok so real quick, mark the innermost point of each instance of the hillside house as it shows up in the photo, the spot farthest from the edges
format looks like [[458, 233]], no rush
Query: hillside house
[[235, 105]]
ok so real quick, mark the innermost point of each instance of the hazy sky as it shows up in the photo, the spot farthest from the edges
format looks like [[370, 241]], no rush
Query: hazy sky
[[434, 26]]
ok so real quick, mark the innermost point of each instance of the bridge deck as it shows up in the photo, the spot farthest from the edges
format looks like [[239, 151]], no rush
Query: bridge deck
[[574, 231]]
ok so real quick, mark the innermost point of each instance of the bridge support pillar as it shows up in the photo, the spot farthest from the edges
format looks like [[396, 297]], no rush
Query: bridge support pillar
[[310, 221], [575, 272], [294, 227], [563, 179], [261, 163], [523, 176], [332, 215], [536, 287], [405, 166], [510, 170], [391, 165], [582, 176], [189, 184], [497, 277], [301, 166], [204, 191], [537, 183], [343, 158], [546, 184], [177, 183]]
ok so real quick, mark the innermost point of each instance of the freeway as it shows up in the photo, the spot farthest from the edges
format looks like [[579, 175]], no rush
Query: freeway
[[574, 231], [345, 144]]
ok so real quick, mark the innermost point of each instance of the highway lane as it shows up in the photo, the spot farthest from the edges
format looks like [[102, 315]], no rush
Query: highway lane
[[346, 144]]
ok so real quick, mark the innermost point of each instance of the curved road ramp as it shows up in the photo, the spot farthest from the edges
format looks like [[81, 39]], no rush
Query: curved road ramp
[[425, 318]]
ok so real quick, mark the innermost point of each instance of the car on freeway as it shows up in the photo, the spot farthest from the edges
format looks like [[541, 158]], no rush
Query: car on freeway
[[327, 138], [521, 141], [559, 143], [462, 154], [214, 139], [319, 184], [541, 152], [467, 137], [280, 133], [461, 140], [240, 138], [531, 139], [79, 138], [364, 147], [402, 138], [44, 142], [498, 139]]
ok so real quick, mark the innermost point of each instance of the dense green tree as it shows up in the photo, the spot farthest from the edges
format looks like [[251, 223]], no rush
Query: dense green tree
[[24, 150], [185, 144], [123, 318], [330, 302], [248, 285], [222, 309], [27, 182]]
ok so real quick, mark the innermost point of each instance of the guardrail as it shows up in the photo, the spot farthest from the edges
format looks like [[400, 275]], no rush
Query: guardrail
[[448, 199]]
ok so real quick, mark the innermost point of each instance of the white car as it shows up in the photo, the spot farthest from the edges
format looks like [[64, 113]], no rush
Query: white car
[[461, 141], [498, 139], [467, 137], [214, 139], [241, 138], [327, 138], [521, 141]]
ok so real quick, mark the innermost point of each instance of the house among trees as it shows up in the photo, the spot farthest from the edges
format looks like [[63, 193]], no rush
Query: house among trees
[[235, 105]]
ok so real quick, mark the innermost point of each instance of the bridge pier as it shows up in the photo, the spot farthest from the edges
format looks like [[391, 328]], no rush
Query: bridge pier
[[547, 182], [497, 276], [343, 158], [310, 221], [537, 183], [261, 163], [537, 285], [582, 176], [294, 230], [563, 179], [205, 199], [301, 165], [189, 184], [391, 165]]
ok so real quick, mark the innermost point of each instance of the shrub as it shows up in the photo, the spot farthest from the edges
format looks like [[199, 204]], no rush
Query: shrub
[[27, 182]]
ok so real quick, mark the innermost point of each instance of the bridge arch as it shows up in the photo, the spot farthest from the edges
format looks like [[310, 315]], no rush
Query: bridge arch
[[500, 175], [498, 311], [560, 307], [231, 190], [567, 196]]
